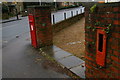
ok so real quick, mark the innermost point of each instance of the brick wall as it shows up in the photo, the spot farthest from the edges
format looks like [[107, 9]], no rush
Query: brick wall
[[42, 17], [105, 14]]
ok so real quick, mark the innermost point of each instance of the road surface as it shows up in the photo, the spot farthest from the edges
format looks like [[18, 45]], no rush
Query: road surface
[[19, 58]]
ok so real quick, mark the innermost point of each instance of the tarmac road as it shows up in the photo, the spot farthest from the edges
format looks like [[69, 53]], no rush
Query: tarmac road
[[19, 58]]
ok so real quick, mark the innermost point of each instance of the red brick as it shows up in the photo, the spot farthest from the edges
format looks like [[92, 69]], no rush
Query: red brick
[[85, 43], [116, 9], [86, 34], [87, 66], [88, 75], [115, 59], [90, 35], [88, 39], [100, 74], [106, 70], [110, 51], [116, 53], [87, 62], [103, 16], [109, 21], [90, 54], [110, 9], [116, 35], [103, 75], [86, 14], [118, 15], [108, 61], [87, 24], [97, 72], [91, 63], [117, 29], [114, 70], [110, 15], [103, 21], [115, 76], [116, 64], [115, 44], [117, 22], [87, 57], [110, 40]]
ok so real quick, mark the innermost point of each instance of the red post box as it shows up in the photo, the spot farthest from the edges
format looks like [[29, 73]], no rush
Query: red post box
[[101, 47], [32, 30]]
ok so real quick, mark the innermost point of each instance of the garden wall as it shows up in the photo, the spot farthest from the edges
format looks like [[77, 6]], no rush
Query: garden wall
[[106, 17], [63, 24]]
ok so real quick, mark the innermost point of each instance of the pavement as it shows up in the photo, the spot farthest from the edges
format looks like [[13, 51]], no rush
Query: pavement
[[67, 60], [19, 58]]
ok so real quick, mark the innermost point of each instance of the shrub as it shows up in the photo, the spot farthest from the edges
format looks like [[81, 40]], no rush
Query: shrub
[[5, 16], [4, 9]]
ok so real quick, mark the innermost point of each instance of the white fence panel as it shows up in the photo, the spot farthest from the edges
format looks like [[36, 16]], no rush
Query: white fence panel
[[74, 12], [65, 14], [68, 14], [59, 17]]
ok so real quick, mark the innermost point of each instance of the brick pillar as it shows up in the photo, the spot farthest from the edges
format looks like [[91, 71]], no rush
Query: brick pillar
[[42, 17], [106, 14]]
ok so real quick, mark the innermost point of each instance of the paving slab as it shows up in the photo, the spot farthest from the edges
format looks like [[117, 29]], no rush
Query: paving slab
[[71, 61], [79, 70], [68, 60], [51, 49], [55, 49], [61, 54]]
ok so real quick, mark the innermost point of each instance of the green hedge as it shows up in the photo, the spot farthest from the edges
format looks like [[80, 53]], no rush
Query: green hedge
[[4, 9]]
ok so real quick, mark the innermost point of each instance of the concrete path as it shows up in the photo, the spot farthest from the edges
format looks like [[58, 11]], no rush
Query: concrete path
[[68, 60]]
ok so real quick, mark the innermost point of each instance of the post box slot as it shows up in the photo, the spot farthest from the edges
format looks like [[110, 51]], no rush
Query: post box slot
[[100, 44]]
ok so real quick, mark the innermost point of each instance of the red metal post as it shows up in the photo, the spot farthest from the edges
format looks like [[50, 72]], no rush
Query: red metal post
[[32, 30]]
